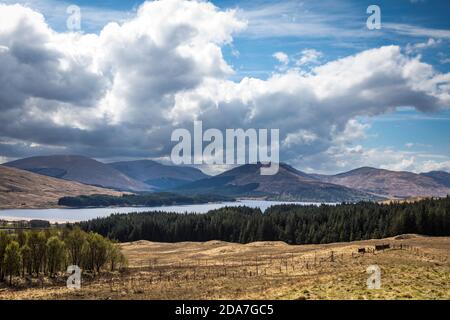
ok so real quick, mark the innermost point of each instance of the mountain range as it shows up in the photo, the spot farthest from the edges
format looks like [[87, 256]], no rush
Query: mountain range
[[80, 169], [24, 189], [141, 175], [440, 177], [289, 184], [392, 184], [157, 175]]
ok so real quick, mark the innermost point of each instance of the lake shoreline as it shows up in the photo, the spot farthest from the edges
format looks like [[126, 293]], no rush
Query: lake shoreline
[[71, 215], [56, 206]]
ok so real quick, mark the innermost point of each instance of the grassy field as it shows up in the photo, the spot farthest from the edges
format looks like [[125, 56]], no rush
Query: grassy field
[[264, 270]]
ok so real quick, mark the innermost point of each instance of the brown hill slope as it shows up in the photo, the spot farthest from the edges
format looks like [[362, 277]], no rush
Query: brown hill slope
[[392, 184], [80, 169], [158, 175], [441, 177], [288, 184], [24, 189]]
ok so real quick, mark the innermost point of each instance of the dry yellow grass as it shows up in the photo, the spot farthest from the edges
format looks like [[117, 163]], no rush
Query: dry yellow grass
[[266, 270]]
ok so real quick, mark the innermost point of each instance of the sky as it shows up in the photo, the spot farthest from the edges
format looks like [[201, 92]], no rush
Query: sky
[[342, 95]]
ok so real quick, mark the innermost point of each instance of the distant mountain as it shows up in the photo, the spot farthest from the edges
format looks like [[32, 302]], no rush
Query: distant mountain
[[386, 183], [441, 177], [81, 169], [158, 175], [245, 181], [24, 189], [287, 184]]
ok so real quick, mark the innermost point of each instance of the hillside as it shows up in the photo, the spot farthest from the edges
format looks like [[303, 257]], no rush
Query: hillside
[[441, 177], [386, 183], [287, 184], [80, 169], [216, 270], [24, 189], [158, 175]]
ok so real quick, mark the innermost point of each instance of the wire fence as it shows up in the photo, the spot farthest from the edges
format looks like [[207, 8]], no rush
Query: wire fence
[[281, 265]]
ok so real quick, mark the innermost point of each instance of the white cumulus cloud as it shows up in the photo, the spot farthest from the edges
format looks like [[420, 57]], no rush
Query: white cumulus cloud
[[122, 91]]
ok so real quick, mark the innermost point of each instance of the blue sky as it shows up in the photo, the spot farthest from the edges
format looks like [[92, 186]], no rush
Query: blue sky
[[334, 30], [255, 51], [342, 15]]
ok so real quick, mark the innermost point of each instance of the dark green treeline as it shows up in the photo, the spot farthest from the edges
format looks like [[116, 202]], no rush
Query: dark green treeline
[[290, 223]]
